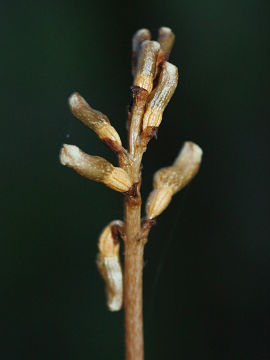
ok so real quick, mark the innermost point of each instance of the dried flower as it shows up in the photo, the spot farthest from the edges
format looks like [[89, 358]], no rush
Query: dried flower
[[139, 37], [95, 120], [160, 96], [166, 39], [109, 266], [95, 168], [146, 66], [170, 180]]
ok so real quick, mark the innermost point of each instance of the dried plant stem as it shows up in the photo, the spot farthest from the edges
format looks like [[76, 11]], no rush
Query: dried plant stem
[[133, 278], [133, 268]]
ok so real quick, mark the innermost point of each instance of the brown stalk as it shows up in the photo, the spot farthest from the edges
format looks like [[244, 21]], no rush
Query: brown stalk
[[154, 83]]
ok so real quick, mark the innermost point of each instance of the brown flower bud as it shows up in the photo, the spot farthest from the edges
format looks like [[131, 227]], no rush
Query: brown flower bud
[[170, 180], [109, 265], [95, 168], [147, 65], [160, 96], [95, 120], [139, 37]]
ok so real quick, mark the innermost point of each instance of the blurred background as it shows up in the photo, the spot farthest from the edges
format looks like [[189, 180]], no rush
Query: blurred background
[[207, 263]]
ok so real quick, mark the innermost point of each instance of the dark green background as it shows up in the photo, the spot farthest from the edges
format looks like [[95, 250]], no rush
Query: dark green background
[[207, 264]]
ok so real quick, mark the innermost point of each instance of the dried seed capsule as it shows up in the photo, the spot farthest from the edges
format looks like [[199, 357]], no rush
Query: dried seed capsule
[[146, 66], [139, 37], [166, 39], [160, 96], [170, 180], [95, 120], [95, 168], [109, 265]]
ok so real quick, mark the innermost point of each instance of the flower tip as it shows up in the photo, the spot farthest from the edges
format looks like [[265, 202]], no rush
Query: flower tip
[[171, 70], [151, 45], [197, 151], [74, 100], [190, 152], [142, 33], [69, 155], [115, 304], [165, 30]]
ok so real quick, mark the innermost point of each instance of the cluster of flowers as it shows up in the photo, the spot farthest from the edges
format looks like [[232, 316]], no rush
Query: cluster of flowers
[[155, 81]]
